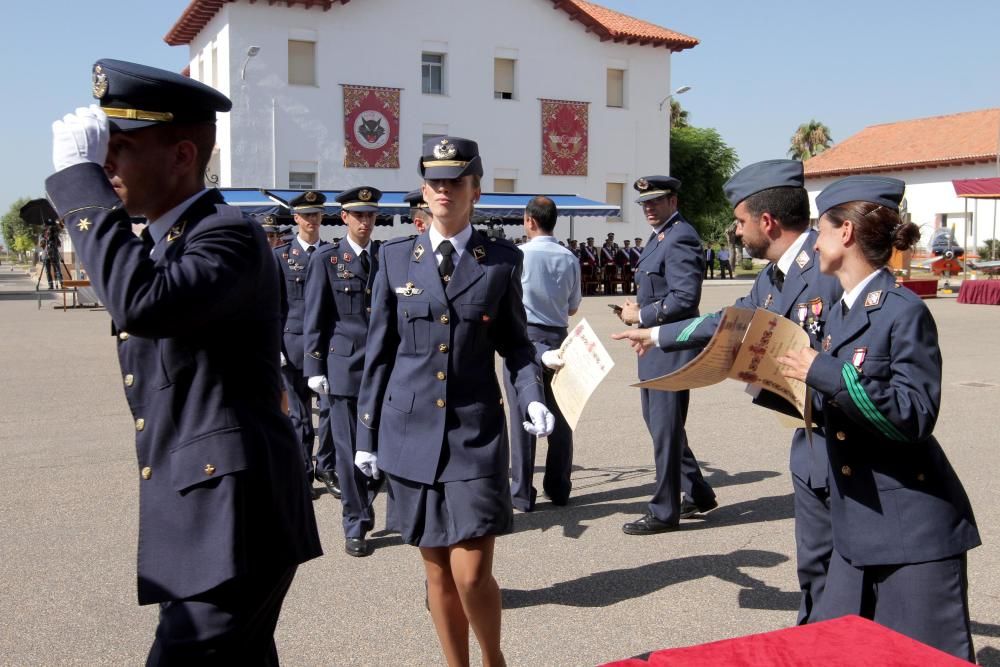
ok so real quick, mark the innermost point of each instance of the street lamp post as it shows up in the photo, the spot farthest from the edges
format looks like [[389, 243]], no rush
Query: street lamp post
[[679, 91]]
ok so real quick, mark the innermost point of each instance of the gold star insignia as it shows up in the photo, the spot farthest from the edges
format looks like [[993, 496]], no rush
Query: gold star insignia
[[83, 225]]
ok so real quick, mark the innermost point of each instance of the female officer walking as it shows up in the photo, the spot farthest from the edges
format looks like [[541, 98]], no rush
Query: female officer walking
[[902, 523], [430, 410]]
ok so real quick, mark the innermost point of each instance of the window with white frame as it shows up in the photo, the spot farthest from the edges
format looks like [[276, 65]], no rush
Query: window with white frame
[[301, 180], [614, 193], [616, 88], [432, 73], [503, 78], [301, 62], [504, 185]]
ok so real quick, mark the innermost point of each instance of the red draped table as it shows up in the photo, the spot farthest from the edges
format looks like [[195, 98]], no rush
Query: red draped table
[[842, 642], [980, 291]]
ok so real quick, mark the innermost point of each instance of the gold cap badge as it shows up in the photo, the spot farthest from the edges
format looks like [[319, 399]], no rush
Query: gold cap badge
[[310, 196], [642, 184], [445, 150], [100, 82], [365, 195]]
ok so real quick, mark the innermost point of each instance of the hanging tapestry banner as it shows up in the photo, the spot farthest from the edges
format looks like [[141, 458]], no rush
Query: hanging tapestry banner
[[371, 127], [564, 138]]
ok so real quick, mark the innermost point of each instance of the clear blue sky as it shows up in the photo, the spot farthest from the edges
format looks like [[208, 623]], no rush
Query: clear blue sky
[[761, 69]]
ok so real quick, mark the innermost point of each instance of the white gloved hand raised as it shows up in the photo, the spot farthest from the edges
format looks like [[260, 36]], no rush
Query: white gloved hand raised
[[542, 421], [553, 359], [319, 384], [80, 137], [367, 463]]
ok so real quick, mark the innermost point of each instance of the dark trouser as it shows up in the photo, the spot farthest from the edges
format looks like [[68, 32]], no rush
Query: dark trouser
[[926, 601], [813, 543], [559, 459], [676, 467], [709, 269], [724, 266], [343, 419], [53, 272], [300, 411], [326, 453], [232, 624]]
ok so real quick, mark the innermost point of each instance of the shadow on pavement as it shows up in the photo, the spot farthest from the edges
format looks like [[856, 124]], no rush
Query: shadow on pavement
[[988, 657], [602, 589]]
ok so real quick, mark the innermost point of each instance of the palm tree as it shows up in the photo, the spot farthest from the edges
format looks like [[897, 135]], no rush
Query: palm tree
[[678, 116], [810, 139]]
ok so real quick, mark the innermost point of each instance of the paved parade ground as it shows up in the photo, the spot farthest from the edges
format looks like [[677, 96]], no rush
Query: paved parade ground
[[576, 591]]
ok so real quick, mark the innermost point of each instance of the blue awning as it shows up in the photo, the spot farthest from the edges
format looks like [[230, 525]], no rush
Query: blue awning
[[498, 208]]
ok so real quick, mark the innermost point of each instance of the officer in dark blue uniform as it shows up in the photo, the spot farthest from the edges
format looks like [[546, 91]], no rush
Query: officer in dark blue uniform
[[420, 213], [902, 522], [224, 514], [272, 230], [431, 414], [668, 278], [293, 260], [338, 291], [771, 208]]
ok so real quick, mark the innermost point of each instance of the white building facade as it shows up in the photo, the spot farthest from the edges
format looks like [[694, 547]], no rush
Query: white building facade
[[471, 68]]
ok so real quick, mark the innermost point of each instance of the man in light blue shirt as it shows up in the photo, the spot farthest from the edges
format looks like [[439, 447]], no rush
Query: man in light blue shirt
[[551, 283]]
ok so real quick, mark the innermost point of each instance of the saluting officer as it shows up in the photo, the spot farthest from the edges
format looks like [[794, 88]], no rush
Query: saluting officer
[[224, 515], [902, 523], [338, 291], [668, 279], [293, 259], [432, 418], [771, 208], [420, 213]]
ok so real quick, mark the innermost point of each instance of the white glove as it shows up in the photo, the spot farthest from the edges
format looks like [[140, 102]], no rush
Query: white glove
[[80, 137], [319, 384], [284, 362], [367, 463], [553, 359], [542, 421]]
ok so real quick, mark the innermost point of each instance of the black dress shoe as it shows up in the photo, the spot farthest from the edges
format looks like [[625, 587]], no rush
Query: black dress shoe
[[356, 546], [647, 525], [329, 479], [689, 508]]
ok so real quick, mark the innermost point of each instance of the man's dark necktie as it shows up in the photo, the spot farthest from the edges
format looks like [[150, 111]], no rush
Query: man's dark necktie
[[365, 262], [844, 308], [147, 239], [310, 250], [447, 265], [778, 278]]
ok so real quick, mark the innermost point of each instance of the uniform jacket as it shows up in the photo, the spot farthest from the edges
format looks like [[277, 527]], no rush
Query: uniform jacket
[[293, 263], [430, 404], [668, 278], [588, 256], [894, 496], [221, 488], [807, 298], [338, 291]]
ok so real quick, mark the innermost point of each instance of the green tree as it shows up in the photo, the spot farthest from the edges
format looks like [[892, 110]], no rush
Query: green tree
[[810, 139], [23, 244], [703, 163], [11, 225], [678, 116]]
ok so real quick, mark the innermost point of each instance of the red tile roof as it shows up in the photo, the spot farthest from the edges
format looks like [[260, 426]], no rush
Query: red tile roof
[[609, 24], [603, 22], [961, 138]]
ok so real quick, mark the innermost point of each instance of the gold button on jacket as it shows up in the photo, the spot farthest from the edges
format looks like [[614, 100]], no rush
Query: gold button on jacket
[[140, 424], [123, 335], [442, 347], [440, 375], [846, 471], [841, 435], [129, 380], [147, 472], [209, 469], [440, 402]]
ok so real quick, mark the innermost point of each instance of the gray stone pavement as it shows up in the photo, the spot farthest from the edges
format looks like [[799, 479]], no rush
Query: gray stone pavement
[[576, 590]]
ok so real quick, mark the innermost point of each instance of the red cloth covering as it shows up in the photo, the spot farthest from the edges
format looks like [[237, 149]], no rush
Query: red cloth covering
[[980, 291], [843, 642], [564, 138], [371, 127]]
